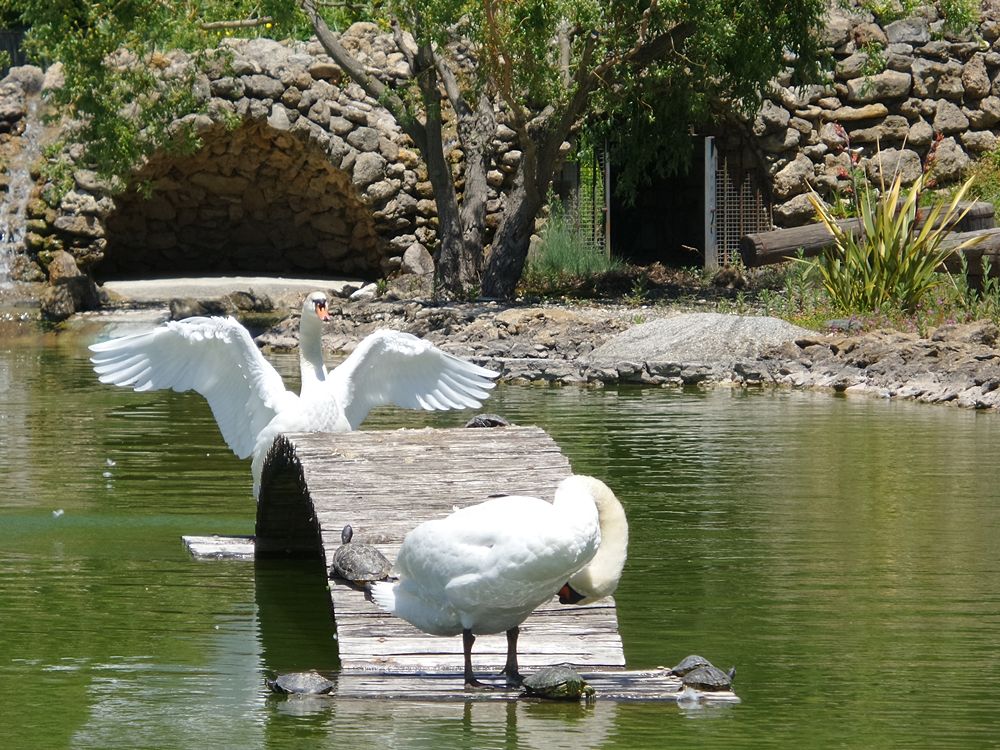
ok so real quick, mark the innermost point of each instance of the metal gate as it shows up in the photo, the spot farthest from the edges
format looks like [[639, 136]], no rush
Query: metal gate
[[734, 206]]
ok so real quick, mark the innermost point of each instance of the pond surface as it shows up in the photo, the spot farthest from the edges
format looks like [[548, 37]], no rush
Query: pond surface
[[844, 554]]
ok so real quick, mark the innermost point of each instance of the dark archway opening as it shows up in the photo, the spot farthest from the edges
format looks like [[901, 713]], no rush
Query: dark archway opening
[[252, 201]]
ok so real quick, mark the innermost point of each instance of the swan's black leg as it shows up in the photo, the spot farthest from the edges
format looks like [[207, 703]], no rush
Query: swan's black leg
[[471, 683], [510, 668]]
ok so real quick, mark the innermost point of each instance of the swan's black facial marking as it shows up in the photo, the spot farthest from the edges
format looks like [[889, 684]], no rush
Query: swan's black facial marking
[[569, 595], [321, 312]]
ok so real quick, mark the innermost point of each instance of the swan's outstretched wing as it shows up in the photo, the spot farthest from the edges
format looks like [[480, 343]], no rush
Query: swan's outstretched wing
[[215, 357], [391, 367]]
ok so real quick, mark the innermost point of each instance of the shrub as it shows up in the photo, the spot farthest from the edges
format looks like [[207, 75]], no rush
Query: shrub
[[893, 262]]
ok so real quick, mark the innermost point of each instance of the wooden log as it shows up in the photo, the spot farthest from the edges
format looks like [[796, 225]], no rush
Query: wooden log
[[779, 245], [385, 483]]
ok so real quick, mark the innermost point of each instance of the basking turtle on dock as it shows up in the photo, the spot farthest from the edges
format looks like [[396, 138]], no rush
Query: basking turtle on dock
[[689, 664], [487, 420], [557, 683], [358, 563], [709, 678], [300, 683]]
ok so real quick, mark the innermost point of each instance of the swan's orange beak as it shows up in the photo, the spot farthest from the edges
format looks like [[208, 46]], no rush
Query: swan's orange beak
[[321, 312]]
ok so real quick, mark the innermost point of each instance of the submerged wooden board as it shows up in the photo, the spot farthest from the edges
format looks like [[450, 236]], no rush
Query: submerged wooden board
[[384, 484], [217, 547], [655, 685], [618, 685]]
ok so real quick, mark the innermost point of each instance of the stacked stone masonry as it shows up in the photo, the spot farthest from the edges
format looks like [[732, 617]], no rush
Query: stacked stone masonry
[[904, 97], [302, 173]]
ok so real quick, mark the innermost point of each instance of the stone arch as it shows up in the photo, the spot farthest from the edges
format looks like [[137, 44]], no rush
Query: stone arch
[[254, 199]]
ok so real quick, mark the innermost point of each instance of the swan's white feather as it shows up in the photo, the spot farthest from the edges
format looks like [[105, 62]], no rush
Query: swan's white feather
[[215, 357], [488, 566], [392, 367]]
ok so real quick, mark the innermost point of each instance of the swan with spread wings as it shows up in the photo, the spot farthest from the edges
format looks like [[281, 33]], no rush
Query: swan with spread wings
[[217, 358]]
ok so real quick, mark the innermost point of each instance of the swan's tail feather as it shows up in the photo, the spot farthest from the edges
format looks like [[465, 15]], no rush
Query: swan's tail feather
[[384, 595]]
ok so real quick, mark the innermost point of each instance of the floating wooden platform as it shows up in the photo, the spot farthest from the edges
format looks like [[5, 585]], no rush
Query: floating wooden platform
[[648, 685], [384, 484], [217, 547]]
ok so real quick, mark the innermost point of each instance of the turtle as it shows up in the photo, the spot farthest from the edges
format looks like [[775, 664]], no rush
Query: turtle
[[358, 563], [300, 683], [709, 678], [690, 663], [487, 420], [557, 683]]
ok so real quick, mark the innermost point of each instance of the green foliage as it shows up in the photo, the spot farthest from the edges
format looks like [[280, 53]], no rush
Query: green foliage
[[887, 11], [875, 60], [734, 48], [893, 263], [985, 174], [959, 15], [120, 86], [57, 171]]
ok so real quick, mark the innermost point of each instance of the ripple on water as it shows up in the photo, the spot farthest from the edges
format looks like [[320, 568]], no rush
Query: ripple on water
[[842, 553]]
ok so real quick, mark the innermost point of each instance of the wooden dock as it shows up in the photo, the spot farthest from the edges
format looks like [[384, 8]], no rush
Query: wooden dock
[[384, 483]]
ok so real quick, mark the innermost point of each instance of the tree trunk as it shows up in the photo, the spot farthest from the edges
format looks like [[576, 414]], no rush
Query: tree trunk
[[510, 243], [476, 130]]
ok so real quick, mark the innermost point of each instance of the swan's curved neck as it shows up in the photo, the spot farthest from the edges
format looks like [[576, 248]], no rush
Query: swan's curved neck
[[311, 350], [601, 575]]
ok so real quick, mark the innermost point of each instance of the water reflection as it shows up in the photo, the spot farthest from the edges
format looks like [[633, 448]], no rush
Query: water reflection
[[416, 725], [294, 616]]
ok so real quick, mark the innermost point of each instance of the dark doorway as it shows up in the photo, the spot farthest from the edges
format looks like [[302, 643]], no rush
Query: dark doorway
[[10, 42], [666, 221]]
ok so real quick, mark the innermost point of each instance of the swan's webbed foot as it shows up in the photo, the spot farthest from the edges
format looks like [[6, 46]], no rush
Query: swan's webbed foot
[[474, 685], [514, 679]]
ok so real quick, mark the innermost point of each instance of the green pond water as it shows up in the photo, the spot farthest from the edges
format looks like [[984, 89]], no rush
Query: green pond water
[[844, 554]]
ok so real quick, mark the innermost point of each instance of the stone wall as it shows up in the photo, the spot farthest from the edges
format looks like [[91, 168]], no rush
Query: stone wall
[[929, 100], [300, 173]]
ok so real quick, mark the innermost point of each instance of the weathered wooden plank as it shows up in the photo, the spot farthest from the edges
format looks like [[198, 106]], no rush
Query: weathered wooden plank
[[617, 686], [384, 484]]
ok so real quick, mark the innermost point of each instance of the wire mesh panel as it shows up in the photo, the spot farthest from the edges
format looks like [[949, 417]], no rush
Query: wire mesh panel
[[588, 203], [741, 208]]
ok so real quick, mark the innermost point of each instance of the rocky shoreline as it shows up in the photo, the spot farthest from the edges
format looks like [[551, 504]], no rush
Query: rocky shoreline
[[666, 346]]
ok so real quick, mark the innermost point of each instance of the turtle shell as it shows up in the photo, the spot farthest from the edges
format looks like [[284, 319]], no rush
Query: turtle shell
[[357, 562], [559, 682], [301, 683], [487, 420], [690, 663], [708, 678]]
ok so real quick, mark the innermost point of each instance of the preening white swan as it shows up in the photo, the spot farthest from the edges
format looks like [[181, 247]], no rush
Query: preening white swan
[[217, 358], [485, 568]]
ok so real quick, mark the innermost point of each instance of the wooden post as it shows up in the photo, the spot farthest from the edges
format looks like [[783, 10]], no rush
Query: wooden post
[[711, 205]]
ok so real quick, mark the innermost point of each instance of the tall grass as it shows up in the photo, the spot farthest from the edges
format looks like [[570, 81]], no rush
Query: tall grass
[[565, 256]]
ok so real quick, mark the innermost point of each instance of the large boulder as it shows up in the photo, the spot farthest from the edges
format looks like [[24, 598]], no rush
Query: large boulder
[[711, 339], [69, 291]]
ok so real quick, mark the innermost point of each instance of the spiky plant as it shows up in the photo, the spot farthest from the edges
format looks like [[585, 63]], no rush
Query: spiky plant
[[894, 260]]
